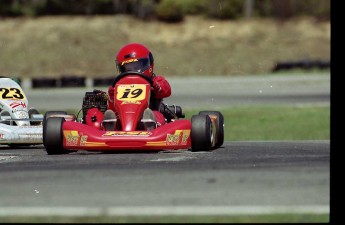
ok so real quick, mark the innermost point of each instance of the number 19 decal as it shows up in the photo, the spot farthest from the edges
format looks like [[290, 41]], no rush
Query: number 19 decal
[[135, 92], [11, 93]]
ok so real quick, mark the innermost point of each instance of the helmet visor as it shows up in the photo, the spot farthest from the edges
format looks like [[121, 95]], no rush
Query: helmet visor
[[135, 65]]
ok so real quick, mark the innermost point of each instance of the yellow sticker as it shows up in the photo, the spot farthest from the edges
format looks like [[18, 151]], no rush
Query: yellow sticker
[[180, 137], [129, 61], [127, 133], [72, 137], [11, 93], [131, 92]]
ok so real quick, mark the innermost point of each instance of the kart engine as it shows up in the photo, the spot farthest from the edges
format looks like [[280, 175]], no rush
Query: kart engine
[[94, 99]]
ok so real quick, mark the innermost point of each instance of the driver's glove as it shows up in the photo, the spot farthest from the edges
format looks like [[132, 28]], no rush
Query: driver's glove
[[161, 87], [156, 87]]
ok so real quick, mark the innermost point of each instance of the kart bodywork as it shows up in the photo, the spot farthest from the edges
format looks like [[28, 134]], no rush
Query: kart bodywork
[[63, 133], [18, 124]]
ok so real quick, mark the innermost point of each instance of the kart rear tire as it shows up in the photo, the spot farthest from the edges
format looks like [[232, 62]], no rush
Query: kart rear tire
[[52, 136], [219, 126], [31, 112], [49, 113], [201, 133]]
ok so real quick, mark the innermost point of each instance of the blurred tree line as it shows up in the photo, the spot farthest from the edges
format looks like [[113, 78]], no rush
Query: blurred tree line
[[169, 10]]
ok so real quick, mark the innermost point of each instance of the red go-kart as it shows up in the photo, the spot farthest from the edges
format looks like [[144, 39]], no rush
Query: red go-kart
[[64, 133]]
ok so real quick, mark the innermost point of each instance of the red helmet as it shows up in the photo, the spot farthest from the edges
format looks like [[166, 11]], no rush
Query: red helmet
[[135, 57]]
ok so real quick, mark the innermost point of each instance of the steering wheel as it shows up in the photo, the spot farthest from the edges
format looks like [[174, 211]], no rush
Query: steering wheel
[[124, 74]]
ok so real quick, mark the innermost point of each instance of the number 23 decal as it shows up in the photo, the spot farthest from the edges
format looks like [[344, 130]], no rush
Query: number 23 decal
[[11, 93]]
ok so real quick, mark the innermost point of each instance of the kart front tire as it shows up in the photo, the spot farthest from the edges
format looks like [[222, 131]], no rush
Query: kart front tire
[[201, 133], [219, 122], [52, 136]]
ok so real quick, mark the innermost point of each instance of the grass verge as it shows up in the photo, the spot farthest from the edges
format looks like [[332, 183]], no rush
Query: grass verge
[[275, 123], [247, 123]]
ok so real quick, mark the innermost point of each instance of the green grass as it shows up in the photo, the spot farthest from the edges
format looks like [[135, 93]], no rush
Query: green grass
[[275, 123], [271, 218], [248, 123]]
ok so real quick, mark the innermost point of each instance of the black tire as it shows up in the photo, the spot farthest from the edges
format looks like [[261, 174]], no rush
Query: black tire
[[49, 113], [219, 126], [103, 81], [43, 82], [201, 133], [31, 112], [72, 81], [52, 136]]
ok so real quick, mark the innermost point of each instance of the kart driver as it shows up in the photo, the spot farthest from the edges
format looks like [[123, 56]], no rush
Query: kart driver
[[138, 58]]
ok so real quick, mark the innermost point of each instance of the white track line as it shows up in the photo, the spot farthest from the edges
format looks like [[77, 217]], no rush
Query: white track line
[[161, 210]]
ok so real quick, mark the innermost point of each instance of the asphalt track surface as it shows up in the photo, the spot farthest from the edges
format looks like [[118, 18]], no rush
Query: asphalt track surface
[[240, 178]]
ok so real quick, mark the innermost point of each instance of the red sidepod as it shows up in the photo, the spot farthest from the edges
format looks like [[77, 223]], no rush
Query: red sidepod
[[174, 135]]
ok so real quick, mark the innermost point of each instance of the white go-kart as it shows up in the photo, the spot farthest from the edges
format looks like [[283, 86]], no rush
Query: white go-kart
[[19, 125]]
